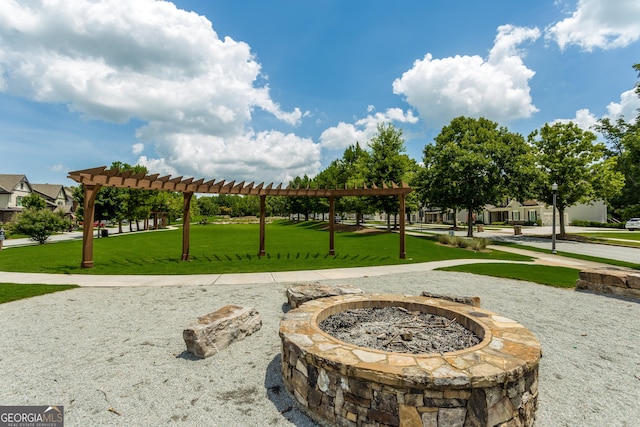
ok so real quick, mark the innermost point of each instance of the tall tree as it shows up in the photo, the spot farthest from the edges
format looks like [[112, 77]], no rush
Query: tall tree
[[571, 158], [624, 140], [475, 162], [387, 163], [348, 171]]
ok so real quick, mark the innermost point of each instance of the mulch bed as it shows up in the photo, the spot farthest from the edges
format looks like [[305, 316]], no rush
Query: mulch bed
[[398, 330]]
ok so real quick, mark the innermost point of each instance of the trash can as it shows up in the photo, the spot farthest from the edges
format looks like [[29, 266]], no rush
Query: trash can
[[480, 228], [517, 230], [105, 232]]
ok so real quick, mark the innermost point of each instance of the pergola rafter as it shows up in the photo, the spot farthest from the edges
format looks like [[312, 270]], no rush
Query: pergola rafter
[[95, 178]]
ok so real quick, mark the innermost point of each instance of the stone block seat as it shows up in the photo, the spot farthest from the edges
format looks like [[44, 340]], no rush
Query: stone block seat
[[216, 331], [299, 294], [611, 281]]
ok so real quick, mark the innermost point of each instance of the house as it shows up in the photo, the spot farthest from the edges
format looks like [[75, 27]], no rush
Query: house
[[14, 188], [58, 197], [528, 211]]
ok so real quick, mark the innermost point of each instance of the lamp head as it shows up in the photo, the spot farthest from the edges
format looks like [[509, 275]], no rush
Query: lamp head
[[554, 187]]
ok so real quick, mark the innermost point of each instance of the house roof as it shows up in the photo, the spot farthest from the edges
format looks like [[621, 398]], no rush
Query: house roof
[[9, 182], [50, 191]]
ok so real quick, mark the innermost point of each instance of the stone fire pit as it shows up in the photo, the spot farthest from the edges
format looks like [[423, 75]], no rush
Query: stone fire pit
[[494, 383]]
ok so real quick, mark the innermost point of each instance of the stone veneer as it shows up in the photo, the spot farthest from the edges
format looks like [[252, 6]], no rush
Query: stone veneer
[[494, 383]]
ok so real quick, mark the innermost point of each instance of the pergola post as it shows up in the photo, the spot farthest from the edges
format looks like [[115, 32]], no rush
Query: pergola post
[[332, 220], [90, 193], [186, 214], [263, 214], [403, 252]]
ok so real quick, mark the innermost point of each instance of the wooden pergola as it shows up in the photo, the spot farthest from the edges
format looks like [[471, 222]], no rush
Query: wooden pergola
[[95, 178]]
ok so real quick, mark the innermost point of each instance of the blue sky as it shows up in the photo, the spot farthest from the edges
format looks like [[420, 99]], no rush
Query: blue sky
[[268, 90]]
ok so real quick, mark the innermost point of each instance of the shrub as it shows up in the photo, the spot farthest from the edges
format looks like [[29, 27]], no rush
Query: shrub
[[38, 224], [581, 223], [476, 243], [479, 244], [461, 242], [445, 239]]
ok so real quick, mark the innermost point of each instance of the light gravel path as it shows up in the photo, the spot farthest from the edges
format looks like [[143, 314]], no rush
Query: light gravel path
[[114, 356]]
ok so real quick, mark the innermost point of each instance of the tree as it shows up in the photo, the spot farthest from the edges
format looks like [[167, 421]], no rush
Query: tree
[[473, 163], [386, 163], [571, 158], [38, 224], [624, 139], [348, 171], [34, 201]]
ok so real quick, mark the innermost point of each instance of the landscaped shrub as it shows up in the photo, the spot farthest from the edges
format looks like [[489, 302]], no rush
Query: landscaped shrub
[[479, 244], [445, 239], [580, 223], [461, 242], [475, 243]]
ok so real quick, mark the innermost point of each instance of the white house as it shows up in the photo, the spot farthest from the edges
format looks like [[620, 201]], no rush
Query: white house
[[514, 212]]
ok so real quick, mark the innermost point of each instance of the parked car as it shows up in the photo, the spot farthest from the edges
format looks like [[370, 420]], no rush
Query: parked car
[[633, 224]]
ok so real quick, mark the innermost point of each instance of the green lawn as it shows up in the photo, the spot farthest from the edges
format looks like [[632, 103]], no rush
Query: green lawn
[[233, 248], [629, 238], [561, 277], [16, 291]]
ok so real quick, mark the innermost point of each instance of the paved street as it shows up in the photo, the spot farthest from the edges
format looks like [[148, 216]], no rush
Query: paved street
[[531, 237]]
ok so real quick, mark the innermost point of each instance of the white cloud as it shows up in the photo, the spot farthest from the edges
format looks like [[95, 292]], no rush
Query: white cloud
[[584, 118], [496, 88], [599, 24], [346, 134], [627, 108], [137, 148], [270, 156], [117, 60]]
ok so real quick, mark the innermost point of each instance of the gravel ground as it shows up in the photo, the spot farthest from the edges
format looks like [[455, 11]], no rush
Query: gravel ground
[[115, 356]]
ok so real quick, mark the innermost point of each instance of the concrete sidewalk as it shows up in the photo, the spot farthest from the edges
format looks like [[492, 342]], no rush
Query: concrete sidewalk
[[88, 280]]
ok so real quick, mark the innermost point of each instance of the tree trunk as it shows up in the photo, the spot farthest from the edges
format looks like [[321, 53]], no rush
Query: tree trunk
[[388, 222], [561, 215], [469, 223], [455, 218]]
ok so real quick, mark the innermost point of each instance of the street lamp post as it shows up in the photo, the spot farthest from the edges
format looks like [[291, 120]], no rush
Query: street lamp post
[[554, 188]]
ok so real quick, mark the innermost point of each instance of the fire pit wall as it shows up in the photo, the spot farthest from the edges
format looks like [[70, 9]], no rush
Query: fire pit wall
[[494, 383]]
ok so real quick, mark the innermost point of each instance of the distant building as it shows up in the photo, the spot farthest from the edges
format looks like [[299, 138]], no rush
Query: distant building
[[14, 188], [514, 212]]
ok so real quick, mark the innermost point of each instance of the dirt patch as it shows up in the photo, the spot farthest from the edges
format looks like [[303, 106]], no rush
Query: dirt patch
[[346, 228]]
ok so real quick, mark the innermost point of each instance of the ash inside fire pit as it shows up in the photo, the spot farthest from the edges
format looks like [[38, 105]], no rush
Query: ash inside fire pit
[[399, 330]]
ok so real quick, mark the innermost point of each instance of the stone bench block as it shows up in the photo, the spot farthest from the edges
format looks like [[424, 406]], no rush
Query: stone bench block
[[299, 294], [611, 281], [216, 331], [472, 301], [606, 276]]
